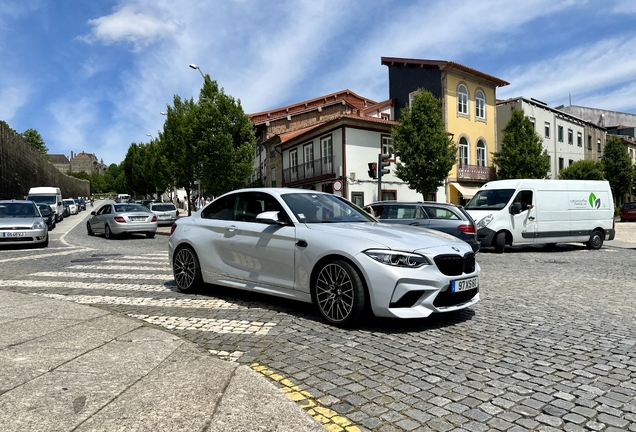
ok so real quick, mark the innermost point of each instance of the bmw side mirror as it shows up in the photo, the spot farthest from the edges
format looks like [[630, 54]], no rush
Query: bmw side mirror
[[93, 213], [270, 217]]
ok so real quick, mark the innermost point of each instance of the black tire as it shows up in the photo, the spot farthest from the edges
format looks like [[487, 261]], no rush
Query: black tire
[[46, 242], [500, 242], [339, 293], [186, 269], [150, 235], [89, 229], [596, 240], [108, 233]]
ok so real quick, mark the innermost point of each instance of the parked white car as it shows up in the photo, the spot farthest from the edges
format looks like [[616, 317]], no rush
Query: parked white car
[[72, 207], [167, 213], [318, 248]]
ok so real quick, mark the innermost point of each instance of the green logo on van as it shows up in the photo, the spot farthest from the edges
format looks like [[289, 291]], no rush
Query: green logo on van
[[594, 202]]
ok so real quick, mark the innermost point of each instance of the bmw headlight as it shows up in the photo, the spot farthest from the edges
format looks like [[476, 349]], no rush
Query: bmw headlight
[[37, 225], [483, 222], [397, 258]]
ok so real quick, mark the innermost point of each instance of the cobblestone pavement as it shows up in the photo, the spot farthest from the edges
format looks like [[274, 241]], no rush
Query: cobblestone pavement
[[551, 346]]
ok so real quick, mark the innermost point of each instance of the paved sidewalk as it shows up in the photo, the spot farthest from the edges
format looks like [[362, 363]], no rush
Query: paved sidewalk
[[65, 366]]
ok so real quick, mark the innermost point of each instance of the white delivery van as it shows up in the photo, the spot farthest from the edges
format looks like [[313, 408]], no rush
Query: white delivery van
[[122, 198], [51, 196], [528, 211]]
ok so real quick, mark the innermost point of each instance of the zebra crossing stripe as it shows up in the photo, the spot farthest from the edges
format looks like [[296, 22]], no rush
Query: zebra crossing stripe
[[243, 327], [88, 285], [145, 301], [78, 275], [105, 266]]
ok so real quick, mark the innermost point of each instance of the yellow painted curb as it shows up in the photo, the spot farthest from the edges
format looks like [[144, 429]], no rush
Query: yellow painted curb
[[331, 420]]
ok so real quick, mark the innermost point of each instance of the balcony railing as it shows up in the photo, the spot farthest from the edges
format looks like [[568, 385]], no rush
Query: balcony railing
[[316, 168], [476, 173]]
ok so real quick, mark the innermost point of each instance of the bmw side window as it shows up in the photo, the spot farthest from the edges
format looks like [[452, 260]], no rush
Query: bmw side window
[[421, 214], [222, 208]]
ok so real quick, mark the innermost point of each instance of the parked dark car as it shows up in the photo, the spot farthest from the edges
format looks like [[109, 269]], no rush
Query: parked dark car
[[444, 217], [628, 212], [67, 208], [47, 215], [82, 203]]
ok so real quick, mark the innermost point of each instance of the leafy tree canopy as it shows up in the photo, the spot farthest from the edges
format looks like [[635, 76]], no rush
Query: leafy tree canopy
[[35, 139], [583, 170], [617, 167], [427, 151], [522, 154]]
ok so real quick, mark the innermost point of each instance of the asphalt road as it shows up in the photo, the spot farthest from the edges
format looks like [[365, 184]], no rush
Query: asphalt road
[[551, 346]]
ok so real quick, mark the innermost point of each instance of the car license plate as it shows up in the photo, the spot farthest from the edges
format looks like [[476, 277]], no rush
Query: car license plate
[[138, 218], [164, 217], [465, 284], [14, 234]]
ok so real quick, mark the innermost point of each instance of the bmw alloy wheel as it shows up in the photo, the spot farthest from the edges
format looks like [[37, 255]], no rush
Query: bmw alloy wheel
[[339, 293], [186, 270]]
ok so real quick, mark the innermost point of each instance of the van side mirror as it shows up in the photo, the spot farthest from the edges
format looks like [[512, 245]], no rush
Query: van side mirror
[[515, 208]]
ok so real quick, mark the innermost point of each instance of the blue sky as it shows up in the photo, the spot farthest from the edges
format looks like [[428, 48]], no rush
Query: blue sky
[[94, 75]]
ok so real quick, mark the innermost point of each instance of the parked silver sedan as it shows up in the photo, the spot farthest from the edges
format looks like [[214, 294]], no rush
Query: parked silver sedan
[[319, 248], [114, 219], [167, 213], [21, 224]]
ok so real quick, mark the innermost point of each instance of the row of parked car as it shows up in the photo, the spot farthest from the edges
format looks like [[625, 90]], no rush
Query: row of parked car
[[132, 217]]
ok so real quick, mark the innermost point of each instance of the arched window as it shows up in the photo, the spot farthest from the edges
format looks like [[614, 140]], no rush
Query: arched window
[[481, 153], [463, 151], [480, 105], [462, 99]]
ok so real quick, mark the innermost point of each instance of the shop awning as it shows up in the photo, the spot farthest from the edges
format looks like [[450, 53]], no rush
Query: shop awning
[[467, 191]]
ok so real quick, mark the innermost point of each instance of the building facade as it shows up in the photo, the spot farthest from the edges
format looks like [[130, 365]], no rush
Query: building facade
[[326, 144], [468, 99], [566, 138]]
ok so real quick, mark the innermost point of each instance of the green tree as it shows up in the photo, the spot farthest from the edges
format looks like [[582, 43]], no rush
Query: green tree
[[583, 170], [177, 147], [617, 167], [225, 140], [36, 141], [522, 154], [211, 142], [427, 152]]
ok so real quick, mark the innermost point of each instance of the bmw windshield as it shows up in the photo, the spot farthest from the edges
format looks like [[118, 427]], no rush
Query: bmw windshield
[[323, 208], [490, 199]]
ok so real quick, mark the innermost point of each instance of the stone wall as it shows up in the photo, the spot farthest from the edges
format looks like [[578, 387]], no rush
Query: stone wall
[[22, 167]]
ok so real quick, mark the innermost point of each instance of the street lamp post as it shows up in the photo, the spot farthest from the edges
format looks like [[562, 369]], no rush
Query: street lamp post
[[193, 66], [151, 137]]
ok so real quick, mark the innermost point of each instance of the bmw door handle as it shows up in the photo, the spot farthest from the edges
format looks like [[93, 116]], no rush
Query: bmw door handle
[[231, 228], [414, 224]]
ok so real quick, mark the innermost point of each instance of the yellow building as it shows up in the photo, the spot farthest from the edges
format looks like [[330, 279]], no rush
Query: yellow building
[[468, 99]]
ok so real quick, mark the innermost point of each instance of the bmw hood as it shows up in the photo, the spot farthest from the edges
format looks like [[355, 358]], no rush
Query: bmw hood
[[391, 236]]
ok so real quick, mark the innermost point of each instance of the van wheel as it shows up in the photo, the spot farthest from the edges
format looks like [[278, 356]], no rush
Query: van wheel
[[596, 240], [500, 242]]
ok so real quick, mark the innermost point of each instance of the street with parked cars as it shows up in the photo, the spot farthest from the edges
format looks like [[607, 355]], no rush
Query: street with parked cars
[[549, 346]]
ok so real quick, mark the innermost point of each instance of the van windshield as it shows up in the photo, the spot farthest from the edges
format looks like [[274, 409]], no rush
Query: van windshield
[[493, 199], [43, 199]]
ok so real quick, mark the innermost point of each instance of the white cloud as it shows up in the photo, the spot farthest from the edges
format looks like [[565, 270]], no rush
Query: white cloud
[[72, 124], [14, 94], [582, 71], [132, 24]]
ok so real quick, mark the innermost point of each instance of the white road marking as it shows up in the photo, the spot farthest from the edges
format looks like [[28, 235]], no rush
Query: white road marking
[[105, 266], [184, 303], [63, 251], [208, 324], [86, 285], [78, 275]]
